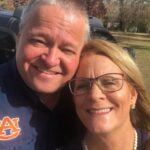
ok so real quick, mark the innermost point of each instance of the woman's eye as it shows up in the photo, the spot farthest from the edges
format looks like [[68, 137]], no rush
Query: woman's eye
[[80, 86], [108, 82]]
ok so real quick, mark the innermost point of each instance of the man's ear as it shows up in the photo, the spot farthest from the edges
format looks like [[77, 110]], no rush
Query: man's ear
[[17, 39]]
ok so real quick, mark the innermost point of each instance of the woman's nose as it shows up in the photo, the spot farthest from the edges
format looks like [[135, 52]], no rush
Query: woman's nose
[[96, 93]]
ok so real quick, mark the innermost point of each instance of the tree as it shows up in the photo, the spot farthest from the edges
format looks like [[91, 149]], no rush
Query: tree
[[132, 15], [17, 3], [136, 15], [95, 8], [6, 4], [112, 14], [11, 4]]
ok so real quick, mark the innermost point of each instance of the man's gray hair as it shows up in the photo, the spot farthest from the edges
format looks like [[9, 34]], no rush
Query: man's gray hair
[[69, 5]]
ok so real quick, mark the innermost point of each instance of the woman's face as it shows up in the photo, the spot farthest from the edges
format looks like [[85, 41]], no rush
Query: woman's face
[[103, 112]]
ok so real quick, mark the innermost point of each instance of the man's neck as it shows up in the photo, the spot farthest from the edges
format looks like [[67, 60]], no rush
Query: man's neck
[[49, 100]]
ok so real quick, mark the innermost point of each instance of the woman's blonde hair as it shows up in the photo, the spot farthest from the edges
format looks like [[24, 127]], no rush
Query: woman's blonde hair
[[140, 116]]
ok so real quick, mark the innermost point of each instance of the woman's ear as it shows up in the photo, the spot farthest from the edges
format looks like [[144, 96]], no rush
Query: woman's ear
[[133, 97]]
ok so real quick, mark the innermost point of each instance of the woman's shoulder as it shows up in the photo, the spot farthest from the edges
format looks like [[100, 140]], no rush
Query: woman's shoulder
[[143, 139], [147, 143]]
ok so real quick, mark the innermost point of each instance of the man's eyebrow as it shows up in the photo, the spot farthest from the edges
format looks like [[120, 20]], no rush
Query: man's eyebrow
[[39, 34], [45, 36], [48, 37]]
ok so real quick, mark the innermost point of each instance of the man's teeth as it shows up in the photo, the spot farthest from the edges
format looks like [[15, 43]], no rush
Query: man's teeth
[[47, 72], [104, 110]]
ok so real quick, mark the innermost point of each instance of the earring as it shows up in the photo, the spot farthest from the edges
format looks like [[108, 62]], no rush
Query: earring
[[133, 106]]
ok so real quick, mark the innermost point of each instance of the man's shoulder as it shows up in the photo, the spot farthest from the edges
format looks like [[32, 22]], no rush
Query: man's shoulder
[[5, 72], [5, 67]]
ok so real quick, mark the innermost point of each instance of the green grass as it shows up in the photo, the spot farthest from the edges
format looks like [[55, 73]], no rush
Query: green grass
[[141, 44]]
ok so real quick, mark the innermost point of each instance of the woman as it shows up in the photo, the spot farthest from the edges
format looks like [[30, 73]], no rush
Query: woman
[[110, 100]]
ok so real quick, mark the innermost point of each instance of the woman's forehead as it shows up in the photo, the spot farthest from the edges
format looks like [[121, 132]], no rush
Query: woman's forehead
[[96, 65]]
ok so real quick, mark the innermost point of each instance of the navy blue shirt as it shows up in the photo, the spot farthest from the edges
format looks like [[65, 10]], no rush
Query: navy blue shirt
[[25, 123]]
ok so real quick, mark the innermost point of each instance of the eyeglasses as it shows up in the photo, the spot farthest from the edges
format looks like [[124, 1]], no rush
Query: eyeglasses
[[110, 82]]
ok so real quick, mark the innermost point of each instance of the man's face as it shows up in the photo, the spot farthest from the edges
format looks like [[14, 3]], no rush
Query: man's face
[[48, 48]]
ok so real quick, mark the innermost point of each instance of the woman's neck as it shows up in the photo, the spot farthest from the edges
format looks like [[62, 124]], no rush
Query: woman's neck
[[119, 140]]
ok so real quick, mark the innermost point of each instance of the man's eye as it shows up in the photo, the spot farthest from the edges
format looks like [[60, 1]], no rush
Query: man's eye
[[68, 51], [37, 42]]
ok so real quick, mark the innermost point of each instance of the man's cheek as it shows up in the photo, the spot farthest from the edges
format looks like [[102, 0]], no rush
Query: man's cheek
[[73, 66]]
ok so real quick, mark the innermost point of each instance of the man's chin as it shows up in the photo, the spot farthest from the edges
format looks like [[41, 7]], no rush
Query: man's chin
[[47, 90]]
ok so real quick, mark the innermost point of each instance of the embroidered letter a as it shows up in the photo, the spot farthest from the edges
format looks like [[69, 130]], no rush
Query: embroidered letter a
[[9, 128]]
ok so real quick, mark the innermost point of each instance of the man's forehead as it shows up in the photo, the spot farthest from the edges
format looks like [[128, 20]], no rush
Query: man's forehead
[[56, 11]]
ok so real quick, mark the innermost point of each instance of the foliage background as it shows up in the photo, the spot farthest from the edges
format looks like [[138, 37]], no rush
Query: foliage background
[[11, 4], [123, 15]]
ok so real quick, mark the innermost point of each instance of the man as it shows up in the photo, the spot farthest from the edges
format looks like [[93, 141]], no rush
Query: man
[[52, 34]]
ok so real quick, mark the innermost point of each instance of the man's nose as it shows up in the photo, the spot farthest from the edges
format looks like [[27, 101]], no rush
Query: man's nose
[[96, 93], [52, 57]]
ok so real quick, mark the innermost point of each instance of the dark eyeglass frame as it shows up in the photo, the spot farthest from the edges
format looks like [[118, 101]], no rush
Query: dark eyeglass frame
[[92, 80]]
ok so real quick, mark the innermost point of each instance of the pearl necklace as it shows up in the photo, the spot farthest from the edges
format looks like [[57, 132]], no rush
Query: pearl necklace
[[85, 147], [135, 140]]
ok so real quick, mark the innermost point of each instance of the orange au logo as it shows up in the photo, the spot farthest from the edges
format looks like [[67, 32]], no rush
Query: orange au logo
[[9, 128]]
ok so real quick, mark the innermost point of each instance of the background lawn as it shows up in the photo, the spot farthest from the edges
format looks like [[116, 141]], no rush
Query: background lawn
[[141, 44]]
